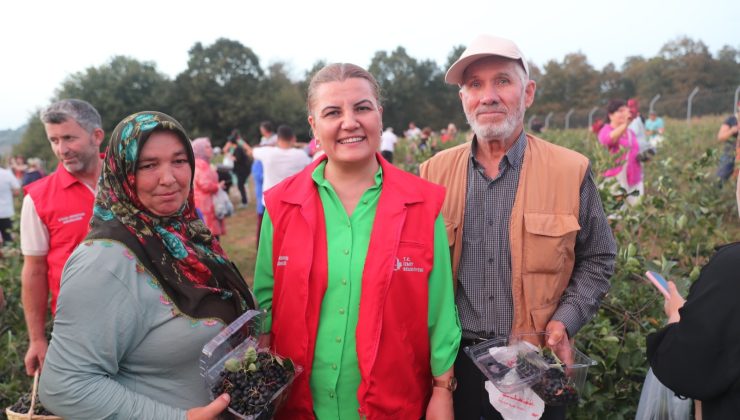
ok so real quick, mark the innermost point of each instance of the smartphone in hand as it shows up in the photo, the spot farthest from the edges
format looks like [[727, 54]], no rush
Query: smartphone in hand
[[659, 282]]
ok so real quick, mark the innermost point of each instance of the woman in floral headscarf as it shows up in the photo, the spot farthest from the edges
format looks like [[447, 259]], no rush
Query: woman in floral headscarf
[[206, 185], [144, 292]]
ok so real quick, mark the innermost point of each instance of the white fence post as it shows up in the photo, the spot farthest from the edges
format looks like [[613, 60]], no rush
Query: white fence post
[[737, 93], [547, 120], [653, 101], [529, 123], [567, 118], [688, 107], [591, 116]]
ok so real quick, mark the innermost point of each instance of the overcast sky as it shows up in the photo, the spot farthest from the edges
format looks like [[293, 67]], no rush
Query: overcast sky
[[43, 42]]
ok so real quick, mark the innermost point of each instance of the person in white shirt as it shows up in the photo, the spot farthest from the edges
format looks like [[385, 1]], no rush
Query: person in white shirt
[[413, 132], [387, 143], [281, 161], [269, 138], [9, 187]]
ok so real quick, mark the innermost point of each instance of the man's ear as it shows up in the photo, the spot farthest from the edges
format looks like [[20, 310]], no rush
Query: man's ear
[[98, 136], [529, 91]]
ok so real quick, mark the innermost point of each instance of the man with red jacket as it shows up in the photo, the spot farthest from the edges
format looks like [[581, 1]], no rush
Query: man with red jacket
[[55, 213]]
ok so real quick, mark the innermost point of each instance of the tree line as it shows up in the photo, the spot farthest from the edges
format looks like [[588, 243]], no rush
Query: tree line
[[224, 87]]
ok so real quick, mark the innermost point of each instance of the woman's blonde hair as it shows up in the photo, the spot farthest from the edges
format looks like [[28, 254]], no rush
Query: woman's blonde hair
[[339, 72]]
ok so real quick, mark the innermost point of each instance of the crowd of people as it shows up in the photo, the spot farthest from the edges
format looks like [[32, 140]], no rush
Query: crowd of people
[[371, 278]]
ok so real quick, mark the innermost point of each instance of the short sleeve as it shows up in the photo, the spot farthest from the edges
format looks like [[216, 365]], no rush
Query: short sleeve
[[34, 234]]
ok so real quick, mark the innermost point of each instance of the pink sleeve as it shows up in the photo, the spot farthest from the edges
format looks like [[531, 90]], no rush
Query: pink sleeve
[[604, 137], [206, 179]]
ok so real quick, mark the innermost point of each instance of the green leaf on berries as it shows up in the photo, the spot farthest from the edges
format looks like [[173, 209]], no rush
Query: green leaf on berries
[[279, 360], [232, 365]]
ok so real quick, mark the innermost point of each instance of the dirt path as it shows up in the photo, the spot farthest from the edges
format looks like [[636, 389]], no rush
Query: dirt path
[[239, 240]]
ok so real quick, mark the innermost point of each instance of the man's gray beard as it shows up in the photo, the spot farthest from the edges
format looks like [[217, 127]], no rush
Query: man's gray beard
[[497, 131]]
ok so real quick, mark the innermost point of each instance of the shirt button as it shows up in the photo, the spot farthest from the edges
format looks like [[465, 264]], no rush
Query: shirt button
[[341, 311], [490, 186], [331, 394], [339, 339], [334, 366], [346, 252], [490, 223], [364, 201], [490, 260], [490, 297], [344, 282]]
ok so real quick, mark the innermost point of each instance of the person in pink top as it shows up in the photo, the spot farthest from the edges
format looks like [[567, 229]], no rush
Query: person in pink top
[[206, 185], [622, 141]]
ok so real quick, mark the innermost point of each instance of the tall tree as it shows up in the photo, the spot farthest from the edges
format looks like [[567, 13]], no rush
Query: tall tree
[[119, 88], [217, 91]]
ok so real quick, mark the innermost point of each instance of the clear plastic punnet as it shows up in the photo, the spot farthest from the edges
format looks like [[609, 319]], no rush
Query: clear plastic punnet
[[526, 362], [498, 362], [257, 380]]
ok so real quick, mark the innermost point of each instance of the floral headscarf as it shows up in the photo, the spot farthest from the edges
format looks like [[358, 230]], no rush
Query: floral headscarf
[[178, 250]]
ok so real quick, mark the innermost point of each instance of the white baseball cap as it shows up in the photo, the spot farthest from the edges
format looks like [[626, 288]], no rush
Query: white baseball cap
[[481, 47]]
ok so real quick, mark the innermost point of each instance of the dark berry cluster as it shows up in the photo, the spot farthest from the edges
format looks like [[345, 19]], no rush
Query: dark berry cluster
[[553, 386], [24, 403], [555, 389], [253, 382]]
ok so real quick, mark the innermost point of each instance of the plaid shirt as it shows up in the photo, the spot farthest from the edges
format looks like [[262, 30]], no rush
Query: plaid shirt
[[484, 297]]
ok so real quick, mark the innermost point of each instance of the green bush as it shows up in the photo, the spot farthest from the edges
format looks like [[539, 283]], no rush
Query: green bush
[[13, 337]]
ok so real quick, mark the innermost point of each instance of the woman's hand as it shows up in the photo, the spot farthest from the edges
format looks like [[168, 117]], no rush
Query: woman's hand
[[673, 304], [440, 405], [212, 410]]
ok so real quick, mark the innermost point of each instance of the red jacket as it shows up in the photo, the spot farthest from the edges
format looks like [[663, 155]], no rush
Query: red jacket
[[392, 333], [65, 206]]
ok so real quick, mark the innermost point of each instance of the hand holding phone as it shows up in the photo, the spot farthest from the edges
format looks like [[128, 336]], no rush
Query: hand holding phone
[[659, 282]]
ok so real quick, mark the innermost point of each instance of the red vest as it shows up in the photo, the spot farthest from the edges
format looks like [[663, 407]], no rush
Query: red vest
[[65, 206], [392, 333]]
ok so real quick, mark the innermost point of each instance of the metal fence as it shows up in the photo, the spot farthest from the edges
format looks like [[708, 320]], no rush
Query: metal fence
[[686, 105]]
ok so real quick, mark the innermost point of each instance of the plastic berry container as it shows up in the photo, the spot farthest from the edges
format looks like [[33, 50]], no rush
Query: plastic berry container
[[561, 382], [239, 342], [498, 362]]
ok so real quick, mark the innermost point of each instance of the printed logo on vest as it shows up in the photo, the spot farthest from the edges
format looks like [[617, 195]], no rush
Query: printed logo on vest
[[407, 264], [71, 218], [282, 260]]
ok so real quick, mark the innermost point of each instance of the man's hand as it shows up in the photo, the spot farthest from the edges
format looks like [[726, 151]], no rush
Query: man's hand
[[558, 341], [440, 405], [211, 411], [35, 356]]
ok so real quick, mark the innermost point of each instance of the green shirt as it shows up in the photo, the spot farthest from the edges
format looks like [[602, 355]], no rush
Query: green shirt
[[335, 375]]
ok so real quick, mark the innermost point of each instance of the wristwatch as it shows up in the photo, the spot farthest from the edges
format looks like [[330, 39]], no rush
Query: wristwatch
[[449, 384]]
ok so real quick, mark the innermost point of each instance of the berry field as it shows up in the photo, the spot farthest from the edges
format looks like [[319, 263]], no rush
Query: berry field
[[673, 230]]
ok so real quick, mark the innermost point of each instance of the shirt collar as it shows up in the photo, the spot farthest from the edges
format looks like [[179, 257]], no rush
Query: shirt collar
[[68, 179], [318, 175], [514, 156]]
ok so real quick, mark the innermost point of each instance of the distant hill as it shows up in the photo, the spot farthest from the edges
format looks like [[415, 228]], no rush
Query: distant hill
[[9, 138]]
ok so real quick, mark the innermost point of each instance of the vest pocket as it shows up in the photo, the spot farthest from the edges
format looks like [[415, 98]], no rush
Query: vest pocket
[[541, 316], [548, 238]]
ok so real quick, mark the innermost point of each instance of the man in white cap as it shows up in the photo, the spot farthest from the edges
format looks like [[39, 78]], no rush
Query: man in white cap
[[531, 248]]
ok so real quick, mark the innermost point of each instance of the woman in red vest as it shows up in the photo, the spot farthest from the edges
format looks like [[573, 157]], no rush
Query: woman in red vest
[[353, 268]]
